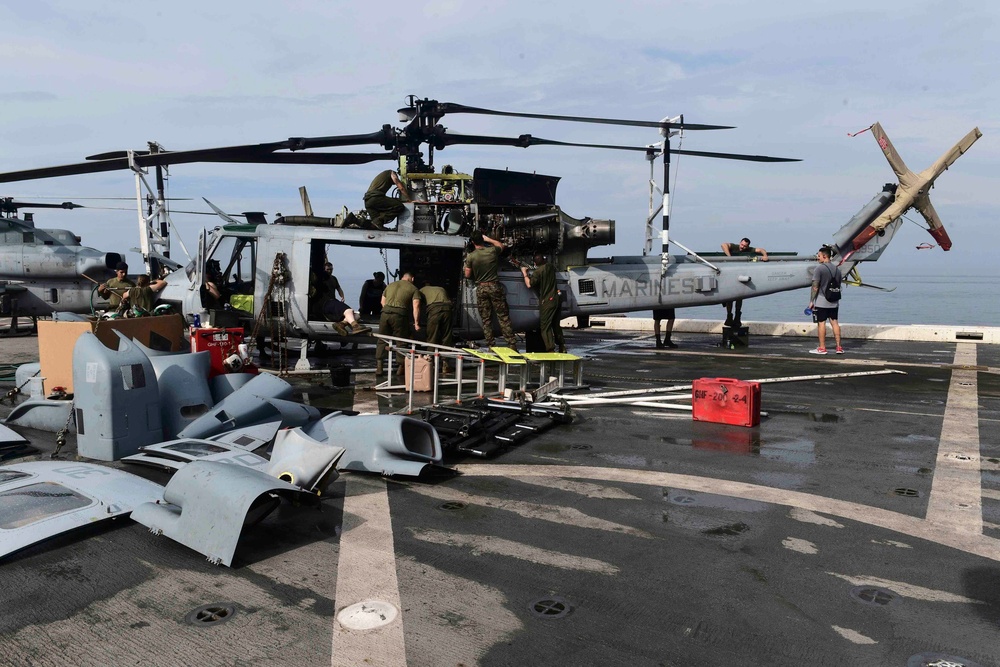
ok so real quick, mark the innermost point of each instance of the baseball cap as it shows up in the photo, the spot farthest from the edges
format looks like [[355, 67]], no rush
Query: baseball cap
[[121, 266]]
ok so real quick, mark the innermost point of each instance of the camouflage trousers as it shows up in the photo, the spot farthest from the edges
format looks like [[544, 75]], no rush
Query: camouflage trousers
[[490, 299]]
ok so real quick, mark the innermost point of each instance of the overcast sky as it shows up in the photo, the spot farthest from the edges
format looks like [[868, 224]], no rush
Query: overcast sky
[[795, 78]]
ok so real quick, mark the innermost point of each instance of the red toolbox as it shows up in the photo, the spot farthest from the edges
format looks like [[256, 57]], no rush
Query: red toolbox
[[726, 401], [221, 343]]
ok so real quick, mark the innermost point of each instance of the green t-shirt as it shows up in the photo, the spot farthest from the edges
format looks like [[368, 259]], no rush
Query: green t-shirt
[[734, 250], [381, 184], [543, 279], [484, 263], [433, 294], [118, 287], [141, 297], [401, 294]]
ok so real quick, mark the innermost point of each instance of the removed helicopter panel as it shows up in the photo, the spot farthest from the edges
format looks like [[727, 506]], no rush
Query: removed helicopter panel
[[43, 499], [206, 505]]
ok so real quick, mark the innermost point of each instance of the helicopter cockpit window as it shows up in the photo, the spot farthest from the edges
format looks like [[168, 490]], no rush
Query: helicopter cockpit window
[[233, 261], [229, 275]]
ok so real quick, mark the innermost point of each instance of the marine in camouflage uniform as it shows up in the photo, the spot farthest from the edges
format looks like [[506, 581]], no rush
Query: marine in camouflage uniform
[[482, 266], [400, 314], [382, 208], [543, 280]]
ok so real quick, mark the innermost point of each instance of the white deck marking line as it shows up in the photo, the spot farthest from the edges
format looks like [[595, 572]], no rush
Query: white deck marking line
[[553, 513], [956, 499], [853, 635], [478, 545], [978, 545], [366, 570], [365, 402], [906, 590], [585, 489]]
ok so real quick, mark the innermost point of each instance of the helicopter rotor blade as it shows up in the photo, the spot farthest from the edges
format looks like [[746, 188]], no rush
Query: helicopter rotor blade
[[219, 212], [522, 141], [112, 198], [11, 205], [734, 156], [525, 140], [236, 154], [451, 107], [306, 158], [384, 137]]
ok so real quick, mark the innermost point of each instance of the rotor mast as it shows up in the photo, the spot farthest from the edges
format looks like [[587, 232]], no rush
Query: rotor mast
[[663, 147], [154, 220]]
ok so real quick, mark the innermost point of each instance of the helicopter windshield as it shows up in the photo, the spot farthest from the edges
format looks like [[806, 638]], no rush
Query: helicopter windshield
[[235, 258]]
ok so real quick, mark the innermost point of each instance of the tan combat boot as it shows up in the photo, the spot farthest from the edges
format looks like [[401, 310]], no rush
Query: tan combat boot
[[341, 328]]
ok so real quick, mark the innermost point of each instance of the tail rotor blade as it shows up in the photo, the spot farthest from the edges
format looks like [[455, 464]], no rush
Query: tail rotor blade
[[936, 227], [956, 152]]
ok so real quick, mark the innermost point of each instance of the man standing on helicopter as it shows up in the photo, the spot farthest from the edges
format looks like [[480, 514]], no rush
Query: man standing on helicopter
[[381, 207], [743, 248], [482, 267]]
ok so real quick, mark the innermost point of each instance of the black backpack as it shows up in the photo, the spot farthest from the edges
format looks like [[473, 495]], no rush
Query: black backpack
[[832, 291]]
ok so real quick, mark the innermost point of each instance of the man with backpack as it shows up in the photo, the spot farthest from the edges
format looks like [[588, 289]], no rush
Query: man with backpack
[[824, 300]]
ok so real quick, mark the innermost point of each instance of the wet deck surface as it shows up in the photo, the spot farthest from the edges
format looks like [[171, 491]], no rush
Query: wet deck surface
[[632, 536]]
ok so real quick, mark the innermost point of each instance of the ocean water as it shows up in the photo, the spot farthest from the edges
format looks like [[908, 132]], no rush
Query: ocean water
[[917, 299]]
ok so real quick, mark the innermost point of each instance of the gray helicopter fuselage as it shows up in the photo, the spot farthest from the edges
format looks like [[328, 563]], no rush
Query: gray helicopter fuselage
[[247, 255], [41, 270]]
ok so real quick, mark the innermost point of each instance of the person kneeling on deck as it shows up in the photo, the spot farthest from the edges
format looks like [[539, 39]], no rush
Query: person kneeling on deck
[[400, 300]]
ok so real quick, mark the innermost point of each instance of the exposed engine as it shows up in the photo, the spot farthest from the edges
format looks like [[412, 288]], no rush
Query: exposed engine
[[516, 208], [550, 232]]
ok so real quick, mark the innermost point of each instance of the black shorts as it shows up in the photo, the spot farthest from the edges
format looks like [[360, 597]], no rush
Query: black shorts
[[824, 314], [334, 309], [663, 313]]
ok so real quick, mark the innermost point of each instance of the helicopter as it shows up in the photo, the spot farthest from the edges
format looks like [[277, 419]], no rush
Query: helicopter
[[270, 265], [46, 270]]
